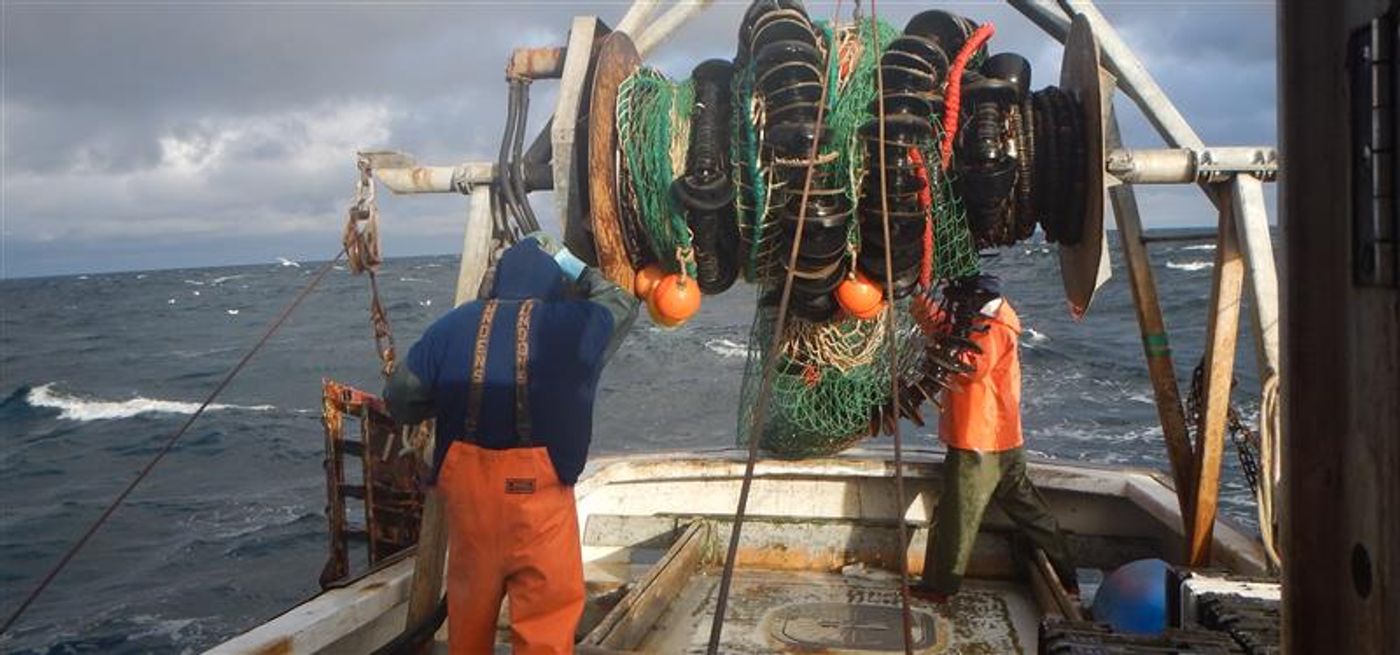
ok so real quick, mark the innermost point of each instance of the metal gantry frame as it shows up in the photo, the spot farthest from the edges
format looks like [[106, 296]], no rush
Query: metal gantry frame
[[1231, 178]]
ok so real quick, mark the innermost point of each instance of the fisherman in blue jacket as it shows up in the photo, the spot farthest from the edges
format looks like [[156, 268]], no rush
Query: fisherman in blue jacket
[[511, 380]]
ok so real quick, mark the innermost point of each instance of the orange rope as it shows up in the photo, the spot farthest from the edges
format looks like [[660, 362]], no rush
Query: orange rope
[[954, 102], [925, 203]]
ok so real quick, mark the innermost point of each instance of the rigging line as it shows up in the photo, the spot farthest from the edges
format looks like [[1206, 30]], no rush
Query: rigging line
[[770, 366], [170, 443], [905, 616]]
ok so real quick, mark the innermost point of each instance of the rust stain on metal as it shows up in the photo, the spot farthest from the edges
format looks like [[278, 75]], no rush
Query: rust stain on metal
[[536, 63], [422, 178], [392, 471], [782, 558], [283, 646]]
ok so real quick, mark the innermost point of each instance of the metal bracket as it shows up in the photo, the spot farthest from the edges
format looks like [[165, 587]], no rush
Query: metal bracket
[[1188, 166], [1375, 221]]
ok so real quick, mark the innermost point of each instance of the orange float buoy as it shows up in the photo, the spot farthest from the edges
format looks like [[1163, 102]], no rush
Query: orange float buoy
[[673, 300], [860, 297], [646, 280]]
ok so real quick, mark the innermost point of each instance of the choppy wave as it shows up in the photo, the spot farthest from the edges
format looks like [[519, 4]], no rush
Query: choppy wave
[[288, 262], [1203, 246], [75, 408], [727, 348], [1190, 266]]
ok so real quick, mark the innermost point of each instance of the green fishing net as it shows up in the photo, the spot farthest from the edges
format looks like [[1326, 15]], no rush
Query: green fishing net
[[827, 378]]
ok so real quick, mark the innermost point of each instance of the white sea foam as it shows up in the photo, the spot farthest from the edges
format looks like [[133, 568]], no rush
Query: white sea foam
[[75, 408], [194, 282], [1190, 266], [413, 279], [196, 293], [426, 303], [727, 348], [1203, 246], [220, 280], [1036, 336], [232, 312], [170, 302], [287, 262]]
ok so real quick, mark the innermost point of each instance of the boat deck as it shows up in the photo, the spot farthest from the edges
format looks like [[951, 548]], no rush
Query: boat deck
[[802, 611]]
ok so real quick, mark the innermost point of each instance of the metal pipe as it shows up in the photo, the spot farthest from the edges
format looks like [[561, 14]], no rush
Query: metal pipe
[[414, 179], [535, 63], [1183, 166], [662, 28], [1132, 77], [636, 16]]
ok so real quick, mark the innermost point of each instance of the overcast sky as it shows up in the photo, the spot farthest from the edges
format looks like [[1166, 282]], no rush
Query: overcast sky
[[151, 134]]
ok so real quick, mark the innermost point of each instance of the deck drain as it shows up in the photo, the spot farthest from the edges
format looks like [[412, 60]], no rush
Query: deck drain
[[848, 627]]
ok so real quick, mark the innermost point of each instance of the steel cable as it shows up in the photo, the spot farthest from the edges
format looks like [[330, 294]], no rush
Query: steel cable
[[906, 617], [765, 385]]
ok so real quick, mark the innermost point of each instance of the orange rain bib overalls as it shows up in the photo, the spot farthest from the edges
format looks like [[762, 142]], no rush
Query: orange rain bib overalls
[[513, 528]]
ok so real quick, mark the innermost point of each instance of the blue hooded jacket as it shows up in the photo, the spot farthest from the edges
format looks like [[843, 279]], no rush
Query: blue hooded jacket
[[570, 341]]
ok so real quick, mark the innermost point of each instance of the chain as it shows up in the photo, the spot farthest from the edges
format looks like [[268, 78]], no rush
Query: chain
[[361, 239], [1246, 440]]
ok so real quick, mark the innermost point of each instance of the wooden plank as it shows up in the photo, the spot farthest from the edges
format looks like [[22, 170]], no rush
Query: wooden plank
[[1222, 331], [430, 562], [1341, 359], [571, 111], [1153, 330], [627, 624], [476, 245], [1050, 590]]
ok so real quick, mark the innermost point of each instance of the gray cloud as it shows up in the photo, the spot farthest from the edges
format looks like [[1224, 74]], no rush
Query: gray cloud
[[227, 131]]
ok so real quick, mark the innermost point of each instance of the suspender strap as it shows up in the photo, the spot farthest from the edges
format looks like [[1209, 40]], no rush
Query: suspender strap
[[478, 381], [522, 373]]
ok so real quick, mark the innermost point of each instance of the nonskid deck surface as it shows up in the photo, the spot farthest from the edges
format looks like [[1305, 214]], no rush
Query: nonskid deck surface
[[785, 611]]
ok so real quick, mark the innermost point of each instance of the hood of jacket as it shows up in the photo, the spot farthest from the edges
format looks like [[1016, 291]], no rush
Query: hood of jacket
[[1008, 317], [526, 271]]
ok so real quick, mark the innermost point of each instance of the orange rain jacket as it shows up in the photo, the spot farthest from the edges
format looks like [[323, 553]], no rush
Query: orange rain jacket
[[985, 414]]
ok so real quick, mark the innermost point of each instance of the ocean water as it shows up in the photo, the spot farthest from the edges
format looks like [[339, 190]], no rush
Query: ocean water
[[97, 370]]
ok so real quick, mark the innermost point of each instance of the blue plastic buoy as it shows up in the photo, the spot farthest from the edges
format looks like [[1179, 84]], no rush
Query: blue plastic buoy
[[1133, 598]]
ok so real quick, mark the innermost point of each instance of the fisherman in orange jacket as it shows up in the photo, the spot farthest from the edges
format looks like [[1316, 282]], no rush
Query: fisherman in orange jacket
[[981, 426]]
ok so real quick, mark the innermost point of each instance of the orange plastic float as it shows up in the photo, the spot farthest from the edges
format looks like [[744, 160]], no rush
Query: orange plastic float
[[646, 280], [860, 297], [673, 300]]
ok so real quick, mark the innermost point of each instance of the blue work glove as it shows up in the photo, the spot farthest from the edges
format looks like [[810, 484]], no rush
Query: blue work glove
[[571, 265]]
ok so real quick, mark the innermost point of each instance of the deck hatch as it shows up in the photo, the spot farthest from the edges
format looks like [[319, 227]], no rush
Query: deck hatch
[[848, 627]]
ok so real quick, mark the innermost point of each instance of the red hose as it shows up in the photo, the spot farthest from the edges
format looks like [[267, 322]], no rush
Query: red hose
[[954, 100]]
